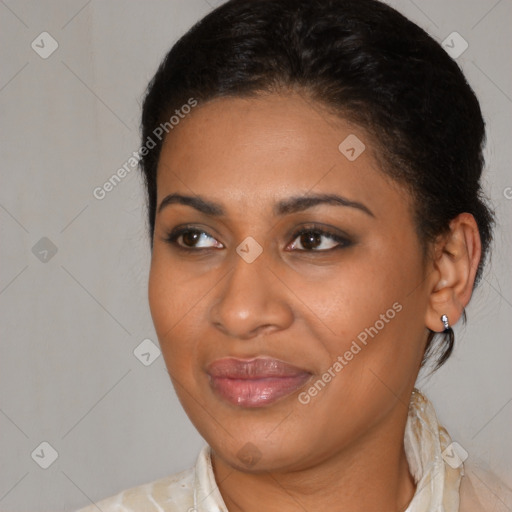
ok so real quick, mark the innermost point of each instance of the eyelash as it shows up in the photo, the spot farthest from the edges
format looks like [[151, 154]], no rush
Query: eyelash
[[343, 241]]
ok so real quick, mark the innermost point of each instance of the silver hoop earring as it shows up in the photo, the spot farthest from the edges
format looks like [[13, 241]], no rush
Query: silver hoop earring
[[446, 324]]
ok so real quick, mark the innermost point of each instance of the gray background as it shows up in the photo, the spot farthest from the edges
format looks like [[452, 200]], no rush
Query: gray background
[[72, 320]]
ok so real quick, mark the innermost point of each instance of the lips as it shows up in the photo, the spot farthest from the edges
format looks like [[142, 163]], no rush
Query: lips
[[255, 382]]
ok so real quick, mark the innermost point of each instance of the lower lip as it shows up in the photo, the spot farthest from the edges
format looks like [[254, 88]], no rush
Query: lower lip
[[257, 392]]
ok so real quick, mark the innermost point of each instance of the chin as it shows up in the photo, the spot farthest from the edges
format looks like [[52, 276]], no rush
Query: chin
[[258, 456]]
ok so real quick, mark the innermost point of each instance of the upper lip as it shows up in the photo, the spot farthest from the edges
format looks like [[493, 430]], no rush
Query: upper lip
[[256, 368]]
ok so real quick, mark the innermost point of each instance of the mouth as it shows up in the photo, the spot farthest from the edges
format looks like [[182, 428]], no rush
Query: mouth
[[255, 382]]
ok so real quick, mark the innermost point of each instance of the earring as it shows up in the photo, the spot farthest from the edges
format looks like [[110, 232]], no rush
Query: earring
[[446, 324]]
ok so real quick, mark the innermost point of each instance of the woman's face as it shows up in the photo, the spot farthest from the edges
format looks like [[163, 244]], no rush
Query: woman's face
[[290, 299]]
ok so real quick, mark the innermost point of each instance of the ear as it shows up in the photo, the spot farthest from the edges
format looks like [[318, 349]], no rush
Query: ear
[[456, 258]]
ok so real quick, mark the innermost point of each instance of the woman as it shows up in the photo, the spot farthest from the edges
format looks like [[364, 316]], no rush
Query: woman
[[314, 239]]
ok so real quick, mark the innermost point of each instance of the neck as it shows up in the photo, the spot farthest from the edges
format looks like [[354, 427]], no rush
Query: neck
[[372, 474]]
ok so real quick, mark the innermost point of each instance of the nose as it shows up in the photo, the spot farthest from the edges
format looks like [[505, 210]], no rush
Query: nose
[[251, 301]]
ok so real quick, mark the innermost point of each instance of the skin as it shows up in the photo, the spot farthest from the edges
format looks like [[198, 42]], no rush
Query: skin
[[344, 449]]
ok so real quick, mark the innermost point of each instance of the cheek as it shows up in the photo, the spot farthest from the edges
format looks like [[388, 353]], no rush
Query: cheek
[[351, 296], [179, 300], [368, 298], [173, 301], [173, 292], [162, 297]]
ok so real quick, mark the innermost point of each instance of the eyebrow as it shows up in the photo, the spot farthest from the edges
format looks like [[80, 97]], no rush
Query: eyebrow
[[284, 207]]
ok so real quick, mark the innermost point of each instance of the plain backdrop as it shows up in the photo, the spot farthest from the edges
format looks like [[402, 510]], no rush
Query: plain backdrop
[[74, 269]]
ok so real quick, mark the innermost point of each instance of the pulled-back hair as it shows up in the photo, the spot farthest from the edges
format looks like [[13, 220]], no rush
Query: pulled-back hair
[[366, 63]]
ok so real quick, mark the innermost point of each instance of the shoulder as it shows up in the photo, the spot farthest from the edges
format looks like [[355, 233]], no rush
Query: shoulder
[[482, 490], [173, 493]]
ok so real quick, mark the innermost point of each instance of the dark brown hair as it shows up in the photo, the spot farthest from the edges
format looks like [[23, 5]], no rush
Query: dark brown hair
[[366, 62]]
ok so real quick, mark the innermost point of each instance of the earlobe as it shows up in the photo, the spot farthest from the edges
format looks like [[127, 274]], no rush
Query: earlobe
[[455, 262]]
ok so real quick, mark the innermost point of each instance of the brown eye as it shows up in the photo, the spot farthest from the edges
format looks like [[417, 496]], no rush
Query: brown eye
[[190, 238], [318, 240], [311, 240]]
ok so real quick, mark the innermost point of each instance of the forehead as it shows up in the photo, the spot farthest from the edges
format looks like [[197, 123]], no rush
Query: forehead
[[254, 150]]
